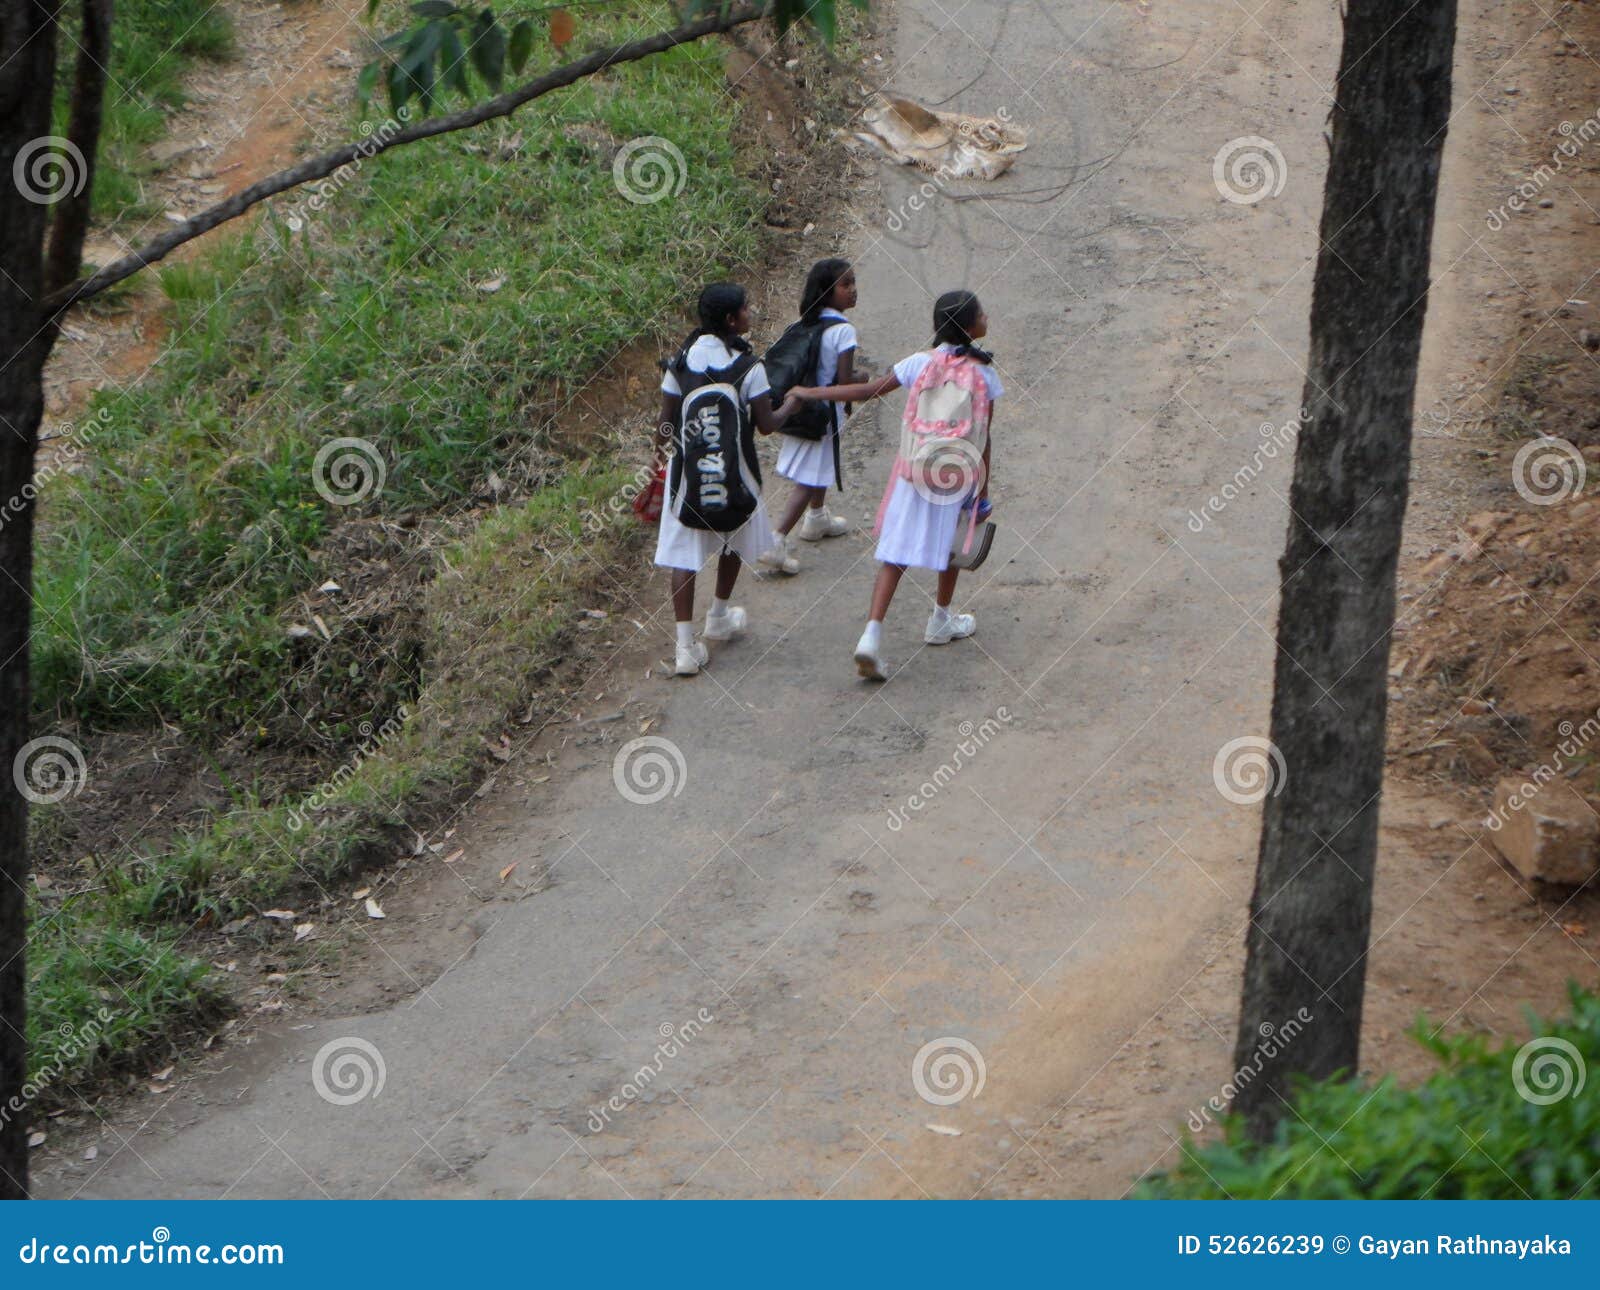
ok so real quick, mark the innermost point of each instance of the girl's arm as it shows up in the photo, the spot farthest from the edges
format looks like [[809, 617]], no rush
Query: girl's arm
[[845, 373], [988, 443], [860, 392], [666, 426], [770, 422]]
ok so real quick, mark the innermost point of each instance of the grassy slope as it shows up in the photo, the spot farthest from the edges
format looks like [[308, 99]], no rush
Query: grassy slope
[[163, 569]]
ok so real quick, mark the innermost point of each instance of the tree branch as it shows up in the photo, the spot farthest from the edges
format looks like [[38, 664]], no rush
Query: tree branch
[[315, 168], [71, 224]]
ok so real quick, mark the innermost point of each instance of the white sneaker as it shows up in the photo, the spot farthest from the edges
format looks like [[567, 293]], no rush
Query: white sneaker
[[954, 627], [817, 524], [780, 559], [869, 661], [725, 626], [691, 658]]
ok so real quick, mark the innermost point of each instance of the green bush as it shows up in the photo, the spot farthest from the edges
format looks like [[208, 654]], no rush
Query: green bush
[[1492, 1123]]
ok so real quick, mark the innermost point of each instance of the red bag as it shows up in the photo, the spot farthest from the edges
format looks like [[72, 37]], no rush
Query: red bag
[[647, 502]]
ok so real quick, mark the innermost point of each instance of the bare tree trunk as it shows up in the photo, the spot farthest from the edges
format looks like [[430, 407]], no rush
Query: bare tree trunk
[[27, 71], [71, 221], [1311, 912]]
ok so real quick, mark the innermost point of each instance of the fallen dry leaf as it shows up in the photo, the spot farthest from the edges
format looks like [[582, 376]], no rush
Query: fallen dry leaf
[[945, 1129], [161, 1088], [455, 855], [282, 915], [374, 909], [91, 1153], [36, 1139], [507, 871], [490, 285], [1575, 929], [362, 894], [163, 1076], [303, 930]]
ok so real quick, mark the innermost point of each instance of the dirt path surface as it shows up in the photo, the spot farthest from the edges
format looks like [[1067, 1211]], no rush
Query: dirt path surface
[[726, 992]]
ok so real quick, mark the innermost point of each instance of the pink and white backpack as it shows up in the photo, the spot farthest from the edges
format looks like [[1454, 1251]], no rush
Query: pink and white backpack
[[944, 433]]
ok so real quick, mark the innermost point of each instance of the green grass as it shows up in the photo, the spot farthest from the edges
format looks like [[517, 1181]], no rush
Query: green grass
[[169, 565], [153, 43], [1467, 1132]]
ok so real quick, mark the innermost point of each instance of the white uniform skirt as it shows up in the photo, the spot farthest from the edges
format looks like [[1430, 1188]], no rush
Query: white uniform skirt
[[916, 531], [808, 461], [679, 547]]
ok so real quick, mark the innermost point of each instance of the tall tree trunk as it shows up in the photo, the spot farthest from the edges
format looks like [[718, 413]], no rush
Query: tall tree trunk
[[1311, 912], [71, 221], [27, 70]]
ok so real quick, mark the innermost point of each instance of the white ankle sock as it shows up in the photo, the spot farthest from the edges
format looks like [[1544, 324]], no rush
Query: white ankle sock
[[870, 637], [941, 614], [718, 607], [685, 635]]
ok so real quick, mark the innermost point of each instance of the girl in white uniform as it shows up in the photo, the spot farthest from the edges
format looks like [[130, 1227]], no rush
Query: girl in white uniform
[[812, 464], [916, 530], [717, 343]]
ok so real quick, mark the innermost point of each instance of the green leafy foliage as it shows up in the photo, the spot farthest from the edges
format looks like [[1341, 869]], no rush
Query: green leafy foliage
[[1488, 1124], [444, 41]]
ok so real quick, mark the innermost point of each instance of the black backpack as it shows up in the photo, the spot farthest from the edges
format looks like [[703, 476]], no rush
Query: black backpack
[[792, 361], [715, 479]]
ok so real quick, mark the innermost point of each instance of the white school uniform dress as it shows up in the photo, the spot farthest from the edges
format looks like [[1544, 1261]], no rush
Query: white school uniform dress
[[679, 547], [916, 531], [811, 461]]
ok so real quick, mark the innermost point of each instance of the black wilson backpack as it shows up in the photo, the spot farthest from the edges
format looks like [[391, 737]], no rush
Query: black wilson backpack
[[792, 361], [715, 478]]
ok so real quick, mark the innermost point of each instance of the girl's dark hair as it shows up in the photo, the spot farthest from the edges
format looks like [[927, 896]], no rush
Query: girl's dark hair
[[954, 313], [825, 275], [718, 303]]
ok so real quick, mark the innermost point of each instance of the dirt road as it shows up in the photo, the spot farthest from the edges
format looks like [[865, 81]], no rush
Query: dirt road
[[1007, 861]]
